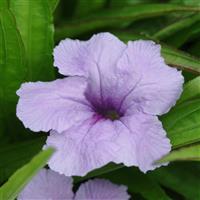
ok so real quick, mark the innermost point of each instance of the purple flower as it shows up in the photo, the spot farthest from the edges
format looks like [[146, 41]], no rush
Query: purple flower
[[106, 111], [49, 185]]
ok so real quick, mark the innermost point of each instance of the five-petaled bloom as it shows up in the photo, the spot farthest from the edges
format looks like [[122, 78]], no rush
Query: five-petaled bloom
[[106, 110], [49, 185]]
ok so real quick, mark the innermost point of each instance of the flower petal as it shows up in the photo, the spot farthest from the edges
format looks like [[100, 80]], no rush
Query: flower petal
[[137, 140], [70, 57], [102, 80], [91, 145], [74, 57], [150, 138], [48, 184], [83, 148], [155, 86], [54, 105], [99, 189]]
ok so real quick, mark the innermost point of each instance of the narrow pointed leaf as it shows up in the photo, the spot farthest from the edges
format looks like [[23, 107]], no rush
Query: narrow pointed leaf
[[185, 35], [191, 90], [21, 177], [177, 26], [180, 59], [191, 153], [115, 17], [15, 155]]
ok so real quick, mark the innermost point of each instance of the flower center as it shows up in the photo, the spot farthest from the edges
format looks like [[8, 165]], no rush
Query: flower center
[[111, 114]]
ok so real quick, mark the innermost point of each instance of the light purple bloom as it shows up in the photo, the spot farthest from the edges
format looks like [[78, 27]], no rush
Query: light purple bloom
[[106, 110], [49, 185], [99, 189]]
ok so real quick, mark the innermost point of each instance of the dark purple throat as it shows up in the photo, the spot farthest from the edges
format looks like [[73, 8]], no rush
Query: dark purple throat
[[111, 114]]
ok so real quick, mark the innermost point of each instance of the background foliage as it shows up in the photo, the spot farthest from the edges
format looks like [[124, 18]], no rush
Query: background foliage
[[29, 29]]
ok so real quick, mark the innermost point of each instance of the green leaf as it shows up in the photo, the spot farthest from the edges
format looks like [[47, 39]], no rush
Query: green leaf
[[194, 49], [186, 2], [137, 182], [180, 59], [103, 170], [191, 90], [35, 23], [18, 57], [186, 153], [172, 56], [182, 178], [3, 4], [53, 4], [21, 177], [116, 17], [83, 7], [15, 155], [129, 36], [182, 123], [118, 3], [12, 68], [177, 26], [184, 36], [26, 42]]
